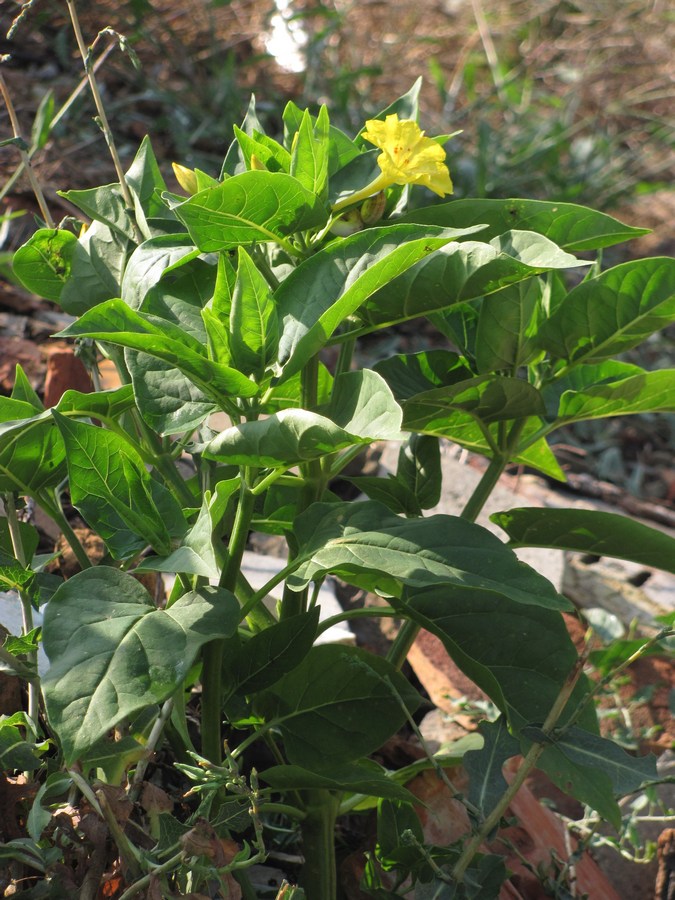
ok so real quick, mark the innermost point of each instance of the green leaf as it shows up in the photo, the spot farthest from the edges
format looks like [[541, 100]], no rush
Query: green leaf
[[463, 271], [596, 770], [309, 160], [368, 546], [253, 206], [588, 531], [96, 269], [519, 655], [409, 374], [32, 455], [395, 495], [330, 286], [259, 662], [42, 124], [574, 228], [146, 185], [112, 653], [269, 152], [641, 393], [507, 323], [30, 538], [484, 766], [362, 405], [488, 398], [109, 404], [23, 390], [419, 469], [104, 204], [612, 312], [168, 401], [151, 261], [369, 779], [15, 751], [43, 263], [110, 486], [254, 327], [116, 323], [339, 704]]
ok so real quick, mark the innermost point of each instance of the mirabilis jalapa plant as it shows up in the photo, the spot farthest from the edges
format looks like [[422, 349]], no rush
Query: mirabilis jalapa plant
[[222, 302]]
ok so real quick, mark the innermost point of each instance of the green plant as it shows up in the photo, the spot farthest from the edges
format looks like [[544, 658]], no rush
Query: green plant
[[222, 302]]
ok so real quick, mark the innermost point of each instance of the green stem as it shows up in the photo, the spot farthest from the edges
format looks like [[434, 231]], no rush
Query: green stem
[[212, 686], [55, 512], [319, 874], [409, 630], [529, 762], [26, 606], [371, 612], [345, 358]]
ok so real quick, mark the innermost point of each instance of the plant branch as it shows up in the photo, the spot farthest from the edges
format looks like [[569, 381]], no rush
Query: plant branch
[[25, 158], [102, 117]]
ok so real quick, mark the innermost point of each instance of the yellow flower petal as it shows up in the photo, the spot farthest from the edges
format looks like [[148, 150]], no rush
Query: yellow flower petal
[[408, 157]]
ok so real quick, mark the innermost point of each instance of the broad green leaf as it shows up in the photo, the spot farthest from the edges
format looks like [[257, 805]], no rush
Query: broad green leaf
[[110, 486], [32, 455], [109, 404], [506, 324], [369, 780], [253, 206], [356, 173], [104, 204], [43, 263], [645, 392], [168, 401], [257, 663], [419, 468], [589, 531], [289, 393], [201, 551], [574, 228], [366, 545], [269, 152], [96, 269], [151, 261], [112, 653], [596, 770], [116, 323], [363, 404], [309, 160], [579, 378], [395, 495], [612, 312], [519, 655], [147, 184], [330, 286], [235, 162], [339, 704], [488, 398], [463, 271], [409, 374], [15, 751], [362, 408], [484, 766], [254, 326], [23, 390], [282, 440]]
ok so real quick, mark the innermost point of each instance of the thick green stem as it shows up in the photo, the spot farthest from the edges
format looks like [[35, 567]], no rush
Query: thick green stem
[[212, 678], [319, 874]]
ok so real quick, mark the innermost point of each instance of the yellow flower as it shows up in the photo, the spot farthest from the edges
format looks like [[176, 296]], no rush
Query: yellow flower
[[408, 157]]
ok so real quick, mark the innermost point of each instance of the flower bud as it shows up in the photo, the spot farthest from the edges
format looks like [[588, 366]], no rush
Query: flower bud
[[373, 208], [348, 223], [257, 165], [186, 178]]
